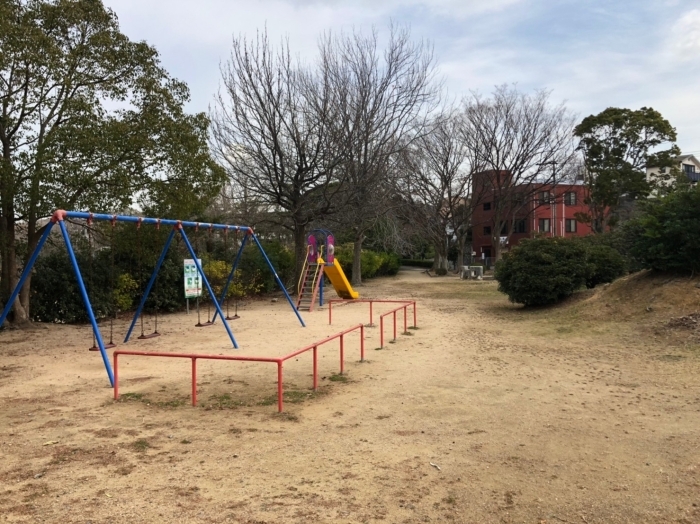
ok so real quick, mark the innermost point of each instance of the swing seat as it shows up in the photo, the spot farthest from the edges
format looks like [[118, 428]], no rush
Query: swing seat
[[234, 317], [107, 346], [204, 324], [152, 335]]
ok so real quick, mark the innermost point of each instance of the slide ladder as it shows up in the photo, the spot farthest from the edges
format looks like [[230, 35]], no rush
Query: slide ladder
[[313, 273]]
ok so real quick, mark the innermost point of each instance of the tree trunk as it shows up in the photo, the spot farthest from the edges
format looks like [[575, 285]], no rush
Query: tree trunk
[[440, 254], [299, 251], [9, 276], [357, 260], [461, 243]]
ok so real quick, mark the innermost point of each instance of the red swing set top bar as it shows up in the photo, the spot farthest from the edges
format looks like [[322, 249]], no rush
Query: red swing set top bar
[[61, 215]]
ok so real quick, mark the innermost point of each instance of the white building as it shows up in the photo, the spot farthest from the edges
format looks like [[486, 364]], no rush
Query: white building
[[687, 164]]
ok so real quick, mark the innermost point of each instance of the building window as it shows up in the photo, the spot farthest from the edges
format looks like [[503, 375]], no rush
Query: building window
[[518, 199], [487, 206], [504, 229], [487, 230], [570, 199], [689, 169], [570, 225], [543, 197], [519, 226], [544, 225]]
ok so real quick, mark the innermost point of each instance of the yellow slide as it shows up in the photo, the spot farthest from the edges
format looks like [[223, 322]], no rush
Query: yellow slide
[[340, 282]]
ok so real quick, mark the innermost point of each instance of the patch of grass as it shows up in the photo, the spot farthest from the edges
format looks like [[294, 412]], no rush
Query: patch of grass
[[296, 396], [378, 349], [141, 445], [338, 378], [224, 401], [171, 403], [293, 396], [185, 441], [286, 415], [414, 327], [235, 431], [392, 342], [407, 333], [450, 499], [125, 397], [268, 401]]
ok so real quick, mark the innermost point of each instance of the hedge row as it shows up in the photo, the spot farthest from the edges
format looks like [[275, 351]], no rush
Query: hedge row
[[416, 263], [373, 263]]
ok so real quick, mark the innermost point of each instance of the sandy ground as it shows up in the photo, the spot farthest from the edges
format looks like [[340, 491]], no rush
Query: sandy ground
[[533, 417]]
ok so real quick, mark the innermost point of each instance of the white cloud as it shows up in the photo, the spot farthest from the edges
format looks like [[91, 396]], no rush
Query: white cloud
[[684, 38], [480, 43]]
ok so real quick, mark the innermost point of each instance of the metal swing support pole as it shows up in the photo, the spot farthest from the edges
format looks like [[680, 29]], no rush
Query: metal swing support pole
[[231, 275], [26, 272], [206, 283], [277, 278], [86, 300], [139, 310]]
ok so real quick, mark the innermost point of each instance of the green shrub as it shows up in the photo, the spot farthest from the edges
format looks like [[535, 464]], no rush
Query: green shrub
[[428, 264], [373, 263], [124, 290], [666, 236], [542, 271], [253, 266], [55, 296], [441, 271], [606, 264]]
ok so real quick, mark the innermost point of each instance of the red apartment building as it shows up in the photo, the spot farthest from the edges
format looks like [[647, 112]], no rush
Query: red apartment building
[[539, 208]]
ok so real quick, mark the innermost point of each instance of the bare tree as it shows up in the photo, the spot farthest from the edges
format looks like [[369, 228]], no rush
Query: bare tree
[[518, 138], [438, 182], [386, 94], [274, 129]]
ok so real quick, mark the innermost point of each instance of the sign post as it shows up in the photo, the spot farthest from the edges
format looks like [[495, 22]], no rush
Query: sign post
[[193, 284]]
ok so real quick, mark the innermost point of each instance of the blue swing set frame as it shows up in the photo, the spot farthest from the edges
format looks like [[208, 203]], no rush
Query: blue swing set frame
[[59, 217]]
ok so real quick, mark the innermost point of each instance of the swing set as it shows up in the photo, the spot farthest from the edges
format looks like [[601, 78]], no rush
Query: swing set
[[178, 226]]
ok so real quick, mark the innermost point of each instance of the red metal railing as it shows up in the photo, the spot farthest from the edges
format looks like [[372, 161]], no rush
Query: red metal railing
[[405, 304], [279, 361]]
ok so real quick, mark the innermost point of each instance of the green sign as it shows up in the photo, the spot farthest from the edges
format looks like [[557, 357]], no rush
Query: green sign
[[193, 283]]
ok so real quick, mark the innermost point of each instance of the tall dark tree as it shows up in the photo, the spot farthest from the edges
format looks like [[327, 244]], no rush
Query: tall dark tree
[[438, 183], [386, 94], [277, 130], [617, 145], [88, 119]]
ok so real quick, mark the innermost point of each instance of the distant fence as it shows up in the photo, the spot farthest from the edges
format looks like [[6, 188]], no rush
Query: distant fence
[[404, 305]]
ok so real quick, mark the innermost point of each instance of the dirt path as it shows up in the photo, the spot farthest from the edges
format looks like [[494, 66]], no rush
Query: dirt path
[[527, 416]]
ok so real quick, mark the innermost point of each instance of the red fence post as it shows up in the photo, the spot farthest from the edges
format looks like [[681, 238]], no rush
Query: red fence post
[[342, 354], [362, 343], [405, 318], [194, 382], [330, 312], [370, 314], [381, 331], [394, 324], [280, 390], [315, 368], [415, 315], [116, 376]]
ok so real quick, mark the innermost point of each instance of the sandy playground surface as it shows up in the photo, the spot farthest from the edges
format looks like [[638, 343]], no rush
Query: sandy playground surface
[[485, 414]]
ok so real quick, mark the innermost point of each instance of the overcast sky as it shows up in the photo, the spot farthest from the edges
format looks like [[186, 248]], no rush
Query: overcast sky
[[592, 54]]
